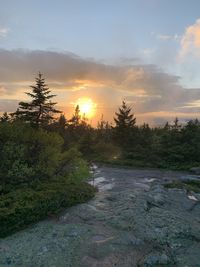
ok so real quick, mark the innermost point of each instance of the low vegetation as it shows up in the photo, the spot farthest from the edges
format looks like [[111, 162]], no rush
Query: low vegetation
[[26, 205], [38, 176], [45, 158], [189, 185]]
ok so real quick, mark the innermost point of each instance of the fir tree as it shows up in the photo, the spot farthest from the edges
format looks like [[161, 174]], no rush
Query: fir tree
[[62, 121], [40, 110], [5, 117], [124, 125], [166, 126], [124, 119], [176, 126], [101, 125], [76, 118], [61, 124]]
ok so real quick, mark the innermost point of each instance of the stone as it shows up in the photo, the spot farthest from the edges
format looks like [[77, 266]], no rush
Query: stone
[[72, 234], [195, 170], [125, 226], [154, 200], [8, 260], [136, 242], [44, 249], [156, 259]]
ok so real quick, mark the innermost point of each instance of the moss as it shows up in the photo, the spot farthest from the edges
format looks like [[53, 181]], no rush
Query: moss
[[189, 185]]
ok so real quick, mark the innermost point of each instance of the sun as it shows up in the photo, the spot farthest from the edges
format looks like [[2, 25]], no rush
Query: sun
[[87, 107]]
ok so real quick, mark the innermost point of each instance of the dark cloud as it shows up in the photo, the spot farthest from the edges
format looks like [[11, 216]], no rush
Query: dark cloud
[[146, 86], [8, 105]]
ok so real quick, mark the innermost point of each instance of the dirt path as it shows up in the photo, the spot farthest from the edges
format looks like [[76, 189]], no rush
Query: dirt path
[[132, 221]]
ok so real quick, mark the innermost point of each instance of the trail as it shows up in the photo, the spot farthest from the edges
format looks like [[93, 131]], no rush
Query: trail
[[132, 221]]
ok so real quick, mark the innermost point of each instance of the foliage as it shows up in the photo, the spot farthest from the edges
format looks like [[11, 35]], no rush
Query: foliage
[[27, 205], [104, 151], [40, 110], [5, 117], [124, 126], [173, 146], [189, 185], [76, 118], [40, 172], [28, 154], [37, 177], [124, 118], [43, 159], [76, 168]]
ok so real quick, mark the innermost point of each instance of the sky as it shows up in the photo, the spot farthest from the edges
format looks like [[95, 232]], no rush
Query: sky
[[146, 52]]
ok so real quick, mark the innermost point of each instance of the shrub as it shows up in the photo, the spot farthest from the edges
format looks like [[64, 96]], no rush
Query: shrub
[[25, 205], [28, 154]]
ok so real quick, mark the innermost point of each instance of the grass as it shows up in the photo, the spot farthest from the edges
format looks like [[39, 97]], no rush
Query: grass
[[189, 185]]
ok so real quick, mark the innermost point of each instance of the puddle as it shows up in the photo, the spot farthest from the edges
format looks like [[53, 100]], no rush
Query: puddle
[[192, 198], [146, 180]]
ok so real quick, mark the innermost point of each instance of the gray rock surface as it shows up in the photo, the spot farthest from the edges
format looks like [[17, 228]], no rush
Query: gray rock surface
[[195, 170], [132, 221]]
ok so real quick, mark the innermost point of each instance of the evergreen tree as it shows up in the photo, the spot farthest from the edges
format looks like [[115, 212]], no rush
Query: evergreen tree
[[62, 121], [40, 110], [4, 117], [166, 126], [76, 118], [124, 125], [104, 129], [60, 125], [176, 126], [124, 119]]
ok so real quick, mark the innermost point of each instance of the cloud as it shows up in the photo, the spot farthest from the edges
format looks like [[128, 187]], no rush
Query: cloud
[[166, 37], [4, 31], [8, 105], [147, 87], [2, 90], [190, 41]]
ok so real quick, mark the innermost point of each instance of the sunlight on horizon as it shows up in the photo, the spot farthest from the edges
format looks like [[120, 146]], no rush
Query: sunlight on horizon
[[87, 107]]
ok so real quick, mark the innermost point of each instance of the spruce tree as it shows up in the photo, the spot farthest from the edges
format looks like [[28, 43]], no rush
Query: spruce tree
[[124, 117], [40, 110], [76, 117], [5, 117], [124, 125]]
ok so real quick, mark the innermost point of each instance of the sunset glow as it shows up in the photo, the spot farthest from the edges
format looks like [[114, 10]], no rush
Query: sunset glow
[[149, 62], [87, 107]]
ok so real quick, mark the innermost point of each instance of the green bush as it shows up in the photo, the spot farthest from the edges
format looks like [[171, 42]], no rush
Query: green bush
[[105, 151], [37, 177], [189, 185], [25, 205], [28, 154]]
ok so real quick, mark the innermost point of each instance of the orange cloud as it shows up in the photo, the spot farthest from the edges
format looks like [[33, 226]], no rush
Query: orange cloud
[[148, 88], [190, 41]]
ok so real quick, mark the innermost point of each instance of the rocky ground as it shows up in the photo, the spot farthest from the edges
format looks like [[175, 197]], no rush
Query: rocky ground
[[132, 221]]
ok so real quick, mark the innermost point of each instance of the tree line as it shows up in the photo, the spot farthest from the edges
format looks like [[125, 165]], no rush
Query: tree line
[[174, 145]]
